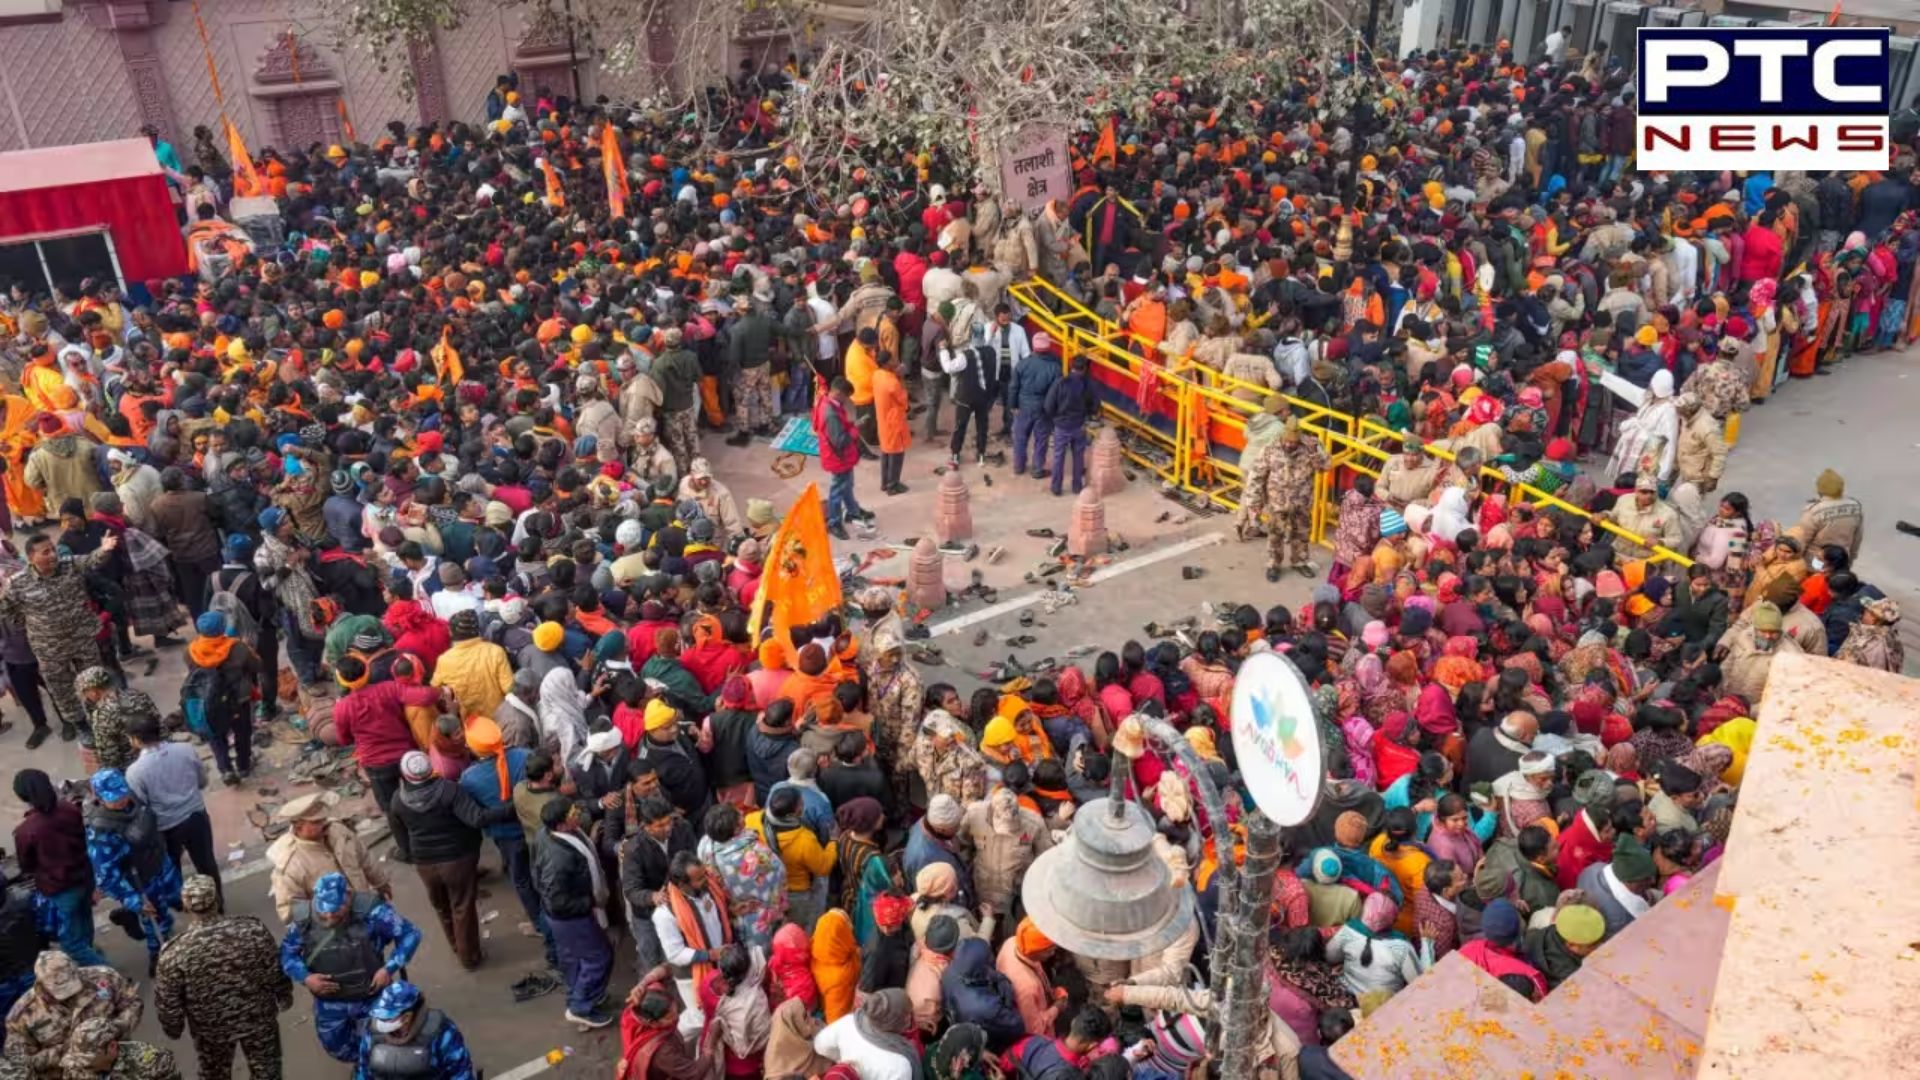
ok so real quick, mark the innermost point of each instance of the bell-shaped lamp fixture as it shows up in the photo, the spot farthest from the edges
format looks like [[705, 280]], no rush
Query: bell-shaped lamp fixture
[[1102, 892]]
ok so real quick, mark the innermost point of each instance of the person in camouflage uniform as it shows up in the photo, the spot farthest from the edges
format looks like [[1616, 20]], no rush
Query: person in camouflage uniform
[[97, 1052], [50, 599], [1292, 462], [64, 996], [945, 757], [220, 980], [894, 697], [130, 863], [114, 713]]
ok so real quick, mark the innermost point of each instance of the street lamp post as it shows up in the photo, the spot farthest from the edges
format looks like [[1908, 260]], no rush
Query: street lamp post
[[1103, 893]]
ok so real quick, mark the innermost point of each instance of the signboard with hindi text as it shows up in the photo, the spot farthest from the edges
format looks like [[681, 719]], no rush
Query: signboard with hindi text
[[1275, 739], [1035, 167]]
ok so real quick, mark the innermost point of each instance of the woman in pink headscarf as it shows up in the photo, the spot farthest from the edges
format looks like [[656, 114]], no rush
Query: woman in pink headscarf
[[1076, 695]]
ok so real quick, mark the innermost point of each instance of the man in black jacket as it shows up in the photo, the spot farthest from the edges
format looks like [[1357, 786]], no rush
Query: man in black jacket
[[668, 753], [852, 773], [1699, 609], [773, 737], [976, 386], [574, 893], [1070, 402], [644, 859], [443, 826]]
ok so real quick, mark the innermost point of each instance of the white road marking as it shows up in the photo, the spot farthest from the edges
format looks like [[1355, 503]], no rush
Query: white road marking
[[532, 1068], [1105, 573]]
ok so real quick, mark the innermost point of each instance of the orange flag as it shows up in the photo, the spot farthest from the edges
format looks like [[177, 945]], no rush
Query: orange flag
[[614, 164], [799, 584], [246, 180], [446, 361], [346, 125], [556, 198], [1109, 145], [1833, 17]]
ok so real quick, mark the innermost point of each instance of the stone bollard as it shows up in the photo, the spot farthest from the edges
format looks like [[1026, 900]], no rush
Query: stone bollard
[[926, 577], [1087, 532], [952, 520], [1107, 467]]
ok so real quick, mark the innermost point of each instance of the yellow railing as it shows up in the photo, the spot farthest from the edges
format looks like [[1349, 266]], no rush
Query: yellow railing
[[1199, 395]]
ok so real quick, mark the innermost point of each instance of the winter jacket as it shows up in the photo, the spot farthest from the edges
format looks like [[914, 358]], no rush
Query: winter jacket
[[373, 721], [1070, 401], [1032, 379], [20, 936], [767, 759], [643, 864], [236, 508], [839, 440], [976, 383], [1000, 861], [806, 859], [183, 520], [561, 876], [924, 849], [478, 673], [974, 993], [63, 468], [678, 373], [442, 822]]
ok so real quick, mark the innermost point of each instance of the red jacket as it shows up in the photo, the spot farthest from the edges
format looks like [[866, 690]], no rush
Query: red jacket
[[1497, 961], [827, 412], [1579, 849], [373, 721]]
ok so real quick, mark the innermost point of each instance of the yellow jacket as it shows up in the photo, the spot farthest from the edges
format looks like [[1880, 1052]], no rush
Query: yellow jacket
[[478, 673], [800, 851]]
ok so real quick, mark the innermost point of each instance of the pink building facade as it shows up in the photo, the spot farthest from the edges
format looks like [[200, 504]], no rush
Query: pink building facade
[[76, 71]]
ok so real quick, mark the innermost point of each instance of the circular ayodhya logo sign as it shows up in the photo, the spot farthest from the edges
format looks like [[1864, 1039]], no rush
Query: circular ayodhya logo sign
[[1275, 739]]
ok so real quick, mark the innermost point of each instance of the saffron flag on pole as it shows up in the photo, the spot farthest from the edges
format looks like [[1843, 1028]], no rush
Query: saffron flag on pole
[[1833, 17], [614, 164], [346, 124], [246, 179], [556, 197], [798, 584], [446, 361], [1109, 145]]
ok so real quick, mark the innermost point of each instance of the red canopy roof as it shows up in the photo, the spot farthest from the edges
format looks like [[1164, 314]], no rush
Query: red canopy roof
[[84, 163]]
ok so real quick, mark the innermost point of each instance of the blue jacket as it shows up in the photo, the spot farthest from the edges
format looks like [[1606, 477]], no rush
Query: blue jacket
[[974, 992], [1039, 1057], [924, 850], [1071, 401], [1032, 379], [482, 781], [1638, 364]]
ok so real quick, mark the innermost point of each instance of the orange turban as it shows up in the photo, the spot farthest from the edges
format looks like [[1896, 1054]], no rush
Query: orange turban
[[1031, 942], [334, 319], [485, 740], [773, 655]]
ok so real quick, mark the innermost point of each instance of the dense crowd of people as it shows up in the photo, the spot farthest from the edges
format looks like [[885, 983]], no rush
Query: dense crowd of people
[[444, 445]]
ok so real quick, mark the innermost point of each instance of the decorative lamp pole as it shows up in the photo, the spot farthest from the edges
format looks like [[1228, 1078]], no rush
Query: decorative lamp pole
[[1103, 893]]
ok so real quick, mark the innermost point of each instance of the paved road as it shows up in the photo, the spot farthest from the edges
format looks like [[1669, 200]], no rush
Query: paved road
[[1863, 422]]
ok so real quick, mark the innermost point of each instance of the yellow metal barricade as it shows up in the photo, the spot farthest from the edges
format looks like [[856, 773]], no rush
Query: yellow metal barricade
[[1202, 398]]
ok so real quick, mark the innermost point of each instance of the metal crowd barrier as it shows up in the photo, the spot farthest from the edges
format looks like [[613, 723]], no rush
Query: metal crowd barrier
[[1193, 442]]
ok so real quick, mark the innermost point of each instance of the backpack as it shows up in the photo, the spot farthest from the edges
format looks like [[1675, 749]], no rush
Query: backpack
[[196, 695], [226, 601]]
